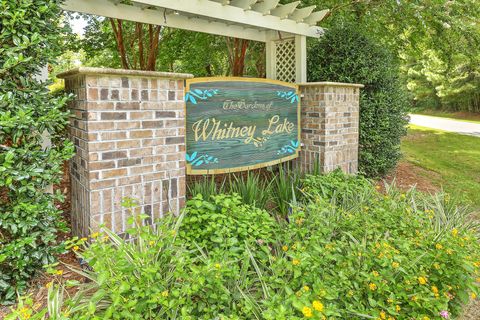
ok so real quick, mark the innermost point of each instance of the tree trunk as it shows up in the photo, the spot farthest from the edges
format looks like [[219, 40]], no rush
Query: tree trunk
[[237, 51], [143, 47]]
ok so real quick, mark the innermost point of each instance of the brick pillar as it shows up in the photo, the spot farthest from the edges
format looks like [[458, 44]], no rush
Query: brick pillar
[[128, 128], [330, 126]]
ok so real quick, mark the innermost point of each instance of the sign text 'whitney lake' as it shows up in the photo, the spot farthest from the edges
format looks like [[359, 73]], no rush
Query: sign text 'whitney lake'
[[236, 124]]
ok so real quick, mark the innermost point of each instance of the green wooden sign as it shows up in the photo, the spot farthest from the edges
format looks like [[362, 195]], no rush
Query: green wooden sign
[[236, 124]]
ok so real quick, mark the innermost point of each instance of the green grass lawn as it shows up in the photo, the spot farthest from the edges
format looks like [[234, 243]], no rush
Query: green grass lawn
[[453, 157], [462, 116]]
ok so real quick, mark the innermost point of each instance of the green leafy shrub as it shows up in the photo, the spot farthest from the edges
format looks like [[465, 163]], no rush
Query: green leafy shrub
[[29, 219], [346, 54], [394, 256], [224, 225], [156, 276], [369, 256]]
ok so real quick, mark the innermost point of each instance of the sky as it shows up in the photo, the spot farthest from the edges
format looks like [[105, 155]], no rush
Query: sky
[[78, 25]]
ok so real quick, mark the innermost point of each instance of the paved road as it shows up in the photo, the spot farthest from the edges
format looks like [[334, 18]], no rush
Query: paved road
[[461, 127]]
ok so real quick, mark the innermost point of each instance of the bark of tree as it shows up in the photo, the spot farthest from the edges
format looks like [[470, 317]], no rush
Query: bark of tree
[[237, 51], [143, 48]]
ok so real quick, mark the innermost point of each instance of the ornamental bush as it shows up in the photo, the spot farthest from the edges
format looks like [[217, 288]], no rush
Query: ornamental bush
[[224, 225], [29, 218], [355, 254], [346, 54]]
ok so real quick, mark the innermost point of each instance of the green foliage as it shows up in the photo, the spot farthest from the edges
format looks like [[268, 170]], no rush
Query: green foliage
[[248, 187], [344, 54], [335, 185], [224, 225], [378, 256], [395, 255], [29, 218]]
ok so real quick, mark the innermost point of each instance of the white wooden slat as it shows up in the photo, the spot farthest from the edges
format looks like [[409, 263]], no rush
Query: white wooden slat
[[316, 17], [215, 10], [283, 11], [265, 6], [223, 2], [244, 4], [156, 17], [299, 14]]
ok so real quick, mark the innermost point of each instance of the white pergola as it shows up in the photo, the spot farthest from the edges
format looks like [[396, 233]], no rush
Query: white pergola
[[283, 28]]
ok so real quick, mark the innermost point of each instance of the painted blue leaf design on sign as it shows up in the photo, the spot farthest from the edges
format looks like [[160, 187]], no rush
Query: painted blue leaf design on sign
[[288, 95], [192, 96], [203, 159], [289, 148]]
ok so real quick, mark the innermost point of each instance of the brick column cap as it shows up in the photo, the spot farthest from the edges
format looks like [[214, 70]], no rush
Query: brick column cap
[[331, 84], [124, 72]]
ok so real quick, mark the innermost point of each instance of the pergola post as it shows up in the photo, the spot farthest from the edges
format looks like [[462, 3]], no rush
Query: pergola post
[[300, 59], [270, 51]]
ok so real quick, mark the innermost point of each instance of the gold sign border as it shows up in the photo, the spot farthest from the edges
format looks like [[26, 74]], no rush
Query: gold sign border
[[192, 171]]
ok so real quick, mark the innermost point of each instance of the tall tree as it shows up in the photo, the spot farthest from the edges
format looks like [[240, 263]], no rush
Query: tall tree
[[237, 52], [143, 43]]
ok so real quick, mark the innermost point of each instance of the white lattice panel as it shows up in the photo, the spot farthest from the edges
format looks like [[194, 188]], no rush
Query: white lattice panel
[[285, 60]]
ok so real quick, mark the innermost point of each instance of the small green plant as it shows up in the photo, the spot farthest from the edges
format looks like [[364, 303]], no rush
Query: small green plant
[[285, 188], [223, 225], [253, 188], [207, 186]]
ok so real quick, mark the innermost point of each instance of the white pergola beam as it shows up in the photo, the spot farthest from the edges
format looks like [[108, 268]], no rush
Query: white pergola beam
[[223, 2], [265, 6], [244, 4], [283, 11], [216, 10], [316, 17], [299, 14], [156, 17]]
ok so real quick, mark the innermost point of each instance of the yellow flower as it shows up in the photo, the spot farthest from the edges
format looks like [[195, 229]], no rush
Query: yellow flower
[[151, 243], [217, 265], [449, 251], [378, 187], [307, 312], [436, 266], [165, 293], [306, 288], [375, 273], [49, 285], [414, 298], [295, 262], [285, 248], [95, 235], [75, 248], [372, 286], [390, 300], [83, 239], [395, 264], [397, 308], [317, 305], [59, 272], [438, 246], [105, 238], [473, 295], [383, 315], [422, 280], [434, 289], [454, 232], [425, 318]]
